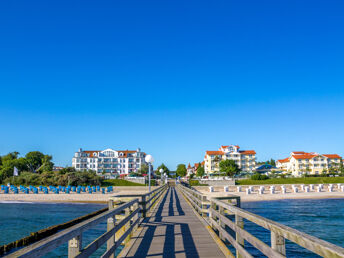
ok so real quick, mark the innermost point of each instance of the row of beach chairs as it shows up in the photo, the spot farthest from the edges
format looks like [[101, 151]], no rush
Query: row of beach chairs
[[6, 189], [283, 189]]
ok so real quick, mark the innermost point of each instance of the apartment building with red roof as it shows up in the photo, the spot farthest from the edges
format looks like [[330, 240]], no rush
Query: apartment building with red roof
[[312, 163], [245, 159], [114, 162]]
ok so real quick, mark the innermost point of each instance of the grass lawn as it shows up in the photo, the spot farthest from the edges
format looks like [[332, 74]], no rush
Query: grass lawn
[[119, 182], [304, 180]]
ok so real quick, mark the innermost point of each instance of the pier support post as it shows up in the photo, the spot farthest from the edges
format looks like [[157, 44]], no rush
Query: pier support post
[[278, 243], [74, 246], [239, 221], [110, 225]]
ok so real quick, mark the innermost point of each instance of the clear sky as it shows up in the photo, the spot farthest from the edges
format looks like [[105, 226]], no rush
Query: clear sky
[[175, 78]]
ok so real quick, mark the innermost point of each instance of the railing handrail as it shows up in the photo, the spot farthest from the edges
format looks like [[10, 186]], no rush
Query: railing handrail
[[46, 245], [73, 234], [217, 211]]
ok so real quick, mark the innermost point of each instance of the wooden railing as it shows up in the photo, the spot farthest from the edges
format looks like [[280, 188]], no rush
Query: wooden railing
[[226, 218], [122, 219], [146, 201]]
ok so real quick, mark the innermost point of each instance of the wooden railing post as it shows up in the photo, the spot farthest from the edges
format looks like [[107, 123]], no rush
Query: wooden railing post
[[239, 221], [74, 246], [221, 211], [204, 205], [127, 225], [136, 217], [110, 225], [278, 243], [144, 206]]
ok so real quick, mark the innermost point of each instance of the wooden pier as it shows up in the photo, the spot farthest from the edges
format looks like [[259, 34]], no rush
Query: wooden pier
[[173, 231], [177, 221]]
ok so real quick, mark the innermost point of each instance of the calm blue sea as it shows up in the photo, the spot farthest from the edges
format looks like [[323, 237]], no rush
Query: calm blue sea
[[320, 218], [19, 219]]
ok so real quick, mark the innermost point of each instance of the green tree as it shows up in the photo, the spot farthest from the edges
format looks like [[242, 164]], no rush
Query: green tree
[[143, 169], [200, 170], [273, 162], [341, 167], [162, 166], [8, 165], [181, 170], [229, 167], [38, 162], [10, 156]]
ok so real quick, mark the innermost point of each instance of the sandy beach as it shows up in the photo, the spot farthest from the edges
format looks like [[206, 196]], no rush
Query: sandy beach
[[218, 192], [266, 196], [73, 197]]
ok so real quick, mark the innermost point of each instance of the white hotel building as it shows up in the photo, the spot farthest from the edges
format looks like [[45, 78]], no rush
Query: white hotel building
[[245, 159], [310, 163], [122, 162]]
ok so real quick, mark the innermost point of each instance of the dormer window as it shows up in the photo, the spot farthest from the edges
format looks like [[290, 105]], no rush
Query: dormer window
[[95, 154]]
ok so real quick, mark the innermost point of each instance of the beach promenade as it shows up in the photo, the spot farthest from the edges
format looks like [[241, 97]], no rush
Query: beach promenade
[[218, 192]]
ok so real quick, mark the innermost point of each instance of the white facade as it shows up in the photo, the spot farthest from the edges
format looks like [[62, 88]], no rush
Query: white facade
[[245, 159], [109, 161], [300, 163]]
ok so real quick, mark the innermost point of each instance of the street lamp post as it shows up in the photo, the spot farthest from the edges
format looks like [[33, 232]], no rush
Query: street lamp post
[[161, 174], [149, 159]]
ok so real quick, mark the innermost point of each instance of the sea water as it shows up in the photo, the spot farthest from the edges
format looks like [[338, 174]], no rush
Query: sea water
[[18, 220], [322, 218]]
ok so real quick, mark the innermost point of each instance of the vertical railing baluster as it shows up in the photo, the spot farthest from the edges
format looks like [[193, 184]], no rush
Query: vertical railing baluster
[[278, 243], [110, 225], [144, 206], [74, 246], [127, 225], [239, 221]]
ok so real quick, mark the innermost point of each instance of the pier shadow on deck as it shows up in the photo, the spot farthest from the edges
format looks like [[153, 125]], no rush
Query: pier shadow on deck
[[174, 231]]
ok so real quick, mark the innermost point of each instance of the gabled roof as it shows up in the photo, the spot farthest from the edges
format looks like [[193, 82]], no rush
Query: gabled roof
[[298, 152], [305, 156], [332, 156], [245, 152], [215, 153], [283, 160]]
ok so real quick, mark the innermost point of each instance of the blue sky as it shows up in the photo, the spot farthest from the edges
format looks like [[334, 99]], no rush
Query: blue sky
[[175, 78]]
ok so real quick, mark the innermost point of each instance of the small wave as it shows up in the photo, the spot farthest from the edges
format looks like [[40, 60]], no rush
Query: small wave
[[15, 202]]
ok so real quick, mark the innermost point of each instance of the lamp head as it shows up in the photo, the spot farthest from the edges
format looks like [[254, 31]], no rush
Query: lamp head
[[149, 159]]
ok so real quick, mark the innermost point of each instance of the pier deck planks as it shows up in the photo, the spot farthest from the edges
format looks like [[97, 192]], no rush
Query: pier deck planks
[[174, 231]]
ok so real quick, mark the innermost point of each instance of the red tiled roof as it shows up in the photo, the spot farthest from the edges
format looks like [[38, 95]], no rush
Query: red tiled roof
[[332, 156], [305, 156], [215, 153], [283, 160], [245, 152], [298, 152]]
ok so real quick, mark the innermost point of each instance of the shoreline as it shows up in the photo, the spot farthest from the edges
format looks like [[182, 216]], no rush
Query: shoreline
[[95, 198]]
